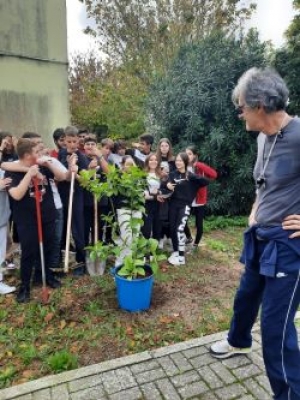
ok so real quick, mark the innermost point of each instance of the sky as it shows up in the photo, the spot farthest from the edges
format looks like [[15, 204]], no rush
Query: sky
[[271, 18]]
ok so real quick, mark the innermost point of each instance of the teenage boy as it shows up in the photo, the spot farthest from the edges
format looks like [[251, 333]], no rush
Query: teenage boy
[[99, 163], [83, 132], [141, 150], [59, 141], [22, 192], [77, 225]]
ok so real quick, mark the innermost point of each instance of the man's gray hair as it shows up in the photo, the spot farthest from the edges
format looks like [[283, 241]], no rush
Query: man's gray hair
[[261, 88]]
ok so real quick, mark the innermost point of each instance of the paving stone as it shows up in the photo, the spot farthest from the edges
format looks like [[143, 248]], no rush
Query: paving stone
[[194, 352], [111, 382], [256, 337], [264, 383], [237, 361], [181, 362], [204, 359], [246, 372], [59, 392], [256, 390], [167, 390], [129, 394], [150, 392], [185, 378], [193, 389], [125, 377], [84, 383], [94, 393], [223, 372], [144, 366], [257, 359], [150, 376], [230, 392], [210, 377], [44, 394], [168, 365], [207, 396]]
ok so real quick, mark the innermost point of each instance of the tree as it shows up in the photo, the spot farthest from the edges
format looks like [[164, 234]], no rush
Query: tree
[[192, 104], [287, 60], [148, 33], [105, 96]]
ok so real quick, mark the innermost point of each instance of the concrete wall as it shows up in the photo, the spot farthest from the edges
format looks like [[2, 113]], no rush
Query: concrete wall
[[33, 66]]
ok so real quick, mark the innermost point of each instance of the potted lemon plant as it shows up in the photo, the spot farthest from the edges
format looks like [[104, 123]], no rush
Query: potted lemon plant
[[138, 258]]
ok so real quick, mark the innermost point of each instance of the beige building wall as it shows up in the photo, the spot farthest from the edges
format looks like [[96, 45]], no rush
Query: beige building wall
[[33, 66]]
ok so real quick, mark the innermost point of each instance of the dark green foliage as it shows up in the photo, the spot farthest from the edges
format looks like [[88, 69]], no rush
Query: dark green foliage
[[287, 61], [192, 104]]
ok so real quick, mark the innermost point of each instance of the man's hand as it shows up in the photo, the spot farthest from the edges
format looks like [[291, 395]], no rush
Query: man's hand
[[292, 222]]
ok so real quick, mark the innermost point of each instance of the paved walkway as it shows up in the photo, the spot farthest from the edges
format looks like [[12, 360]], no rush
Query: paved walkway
[[182, 371]]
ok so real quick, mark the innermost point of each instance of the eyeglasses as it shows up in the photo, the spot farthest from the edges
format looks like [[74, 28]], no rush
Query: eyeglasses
[[241, 108]]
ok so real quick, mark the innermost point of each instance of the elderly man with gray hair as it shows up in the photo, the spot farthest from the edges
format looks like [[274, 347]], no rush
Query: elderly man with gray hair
[[271, 252]]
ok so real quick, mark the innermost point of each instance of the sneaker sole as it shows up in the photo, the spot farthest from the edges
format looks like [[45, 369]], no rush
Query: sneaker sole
[[230, 354]]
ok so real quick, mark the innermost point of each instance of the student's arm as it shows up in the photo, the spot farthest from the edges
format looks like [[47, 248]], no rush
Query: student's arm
[[18, 192], [59, 171], [13, 166], [205, 170]]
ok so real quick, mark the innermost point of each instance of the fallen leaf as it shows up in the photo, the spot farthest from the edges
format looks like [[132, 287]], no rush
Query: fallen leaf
[[49, 317], [62, 324], [165, 319]]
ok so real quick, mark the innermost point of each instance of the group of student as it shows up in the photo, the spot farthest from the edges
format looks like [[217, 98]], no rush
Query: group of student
[[176, 186]]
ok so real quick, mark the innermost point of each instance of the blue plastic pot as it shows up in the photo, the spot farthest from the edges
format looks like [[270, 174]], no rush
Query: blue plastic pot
[[133, 295]]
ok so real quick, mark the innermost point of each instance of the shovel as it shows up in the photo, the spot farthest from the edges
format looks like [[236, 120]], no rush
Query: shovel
[[38, 199], [68, 238]]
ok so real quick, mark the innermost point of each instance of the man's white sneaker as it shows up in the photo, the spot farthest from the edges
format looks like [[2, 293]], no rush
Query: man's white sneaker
[[175, 259], [5, 289], [222, 349]]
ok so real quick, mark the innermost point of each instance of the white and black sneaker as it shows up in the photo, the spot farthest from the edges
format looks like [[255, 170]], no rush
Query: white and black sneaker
[[176, 259], [222, 349], [5, 289]]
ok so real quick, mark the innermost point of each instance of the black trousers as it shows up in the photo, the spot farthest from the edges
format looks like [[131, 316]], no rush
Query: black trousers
[[178, 218], [199, 213], [77, 225], [152, 224], [30, 250]]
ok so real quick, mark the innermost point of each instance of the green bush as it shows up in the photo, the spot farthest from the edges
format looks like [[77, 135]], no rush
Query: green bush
[[192, 104]]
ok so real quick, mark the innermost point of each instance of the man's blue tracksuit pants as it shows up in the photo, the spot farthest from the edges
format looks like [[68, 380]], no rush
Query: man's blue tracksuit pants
[[271, 279]]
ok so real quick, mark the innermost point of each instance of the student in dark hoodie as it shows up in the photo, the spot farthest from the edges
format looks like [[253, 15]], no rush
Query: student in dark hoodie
[[184, 185], [71, 150]]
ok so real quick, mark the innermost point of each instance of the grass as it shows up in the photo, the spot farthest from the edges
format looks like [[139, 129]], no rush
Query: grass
[[83, 325]]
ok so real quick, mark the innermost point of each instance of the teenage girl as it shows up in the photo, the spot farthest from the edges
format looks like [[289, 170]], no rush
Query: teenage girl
[[184, 185], [152, 225], [200, 200], [166, 161]]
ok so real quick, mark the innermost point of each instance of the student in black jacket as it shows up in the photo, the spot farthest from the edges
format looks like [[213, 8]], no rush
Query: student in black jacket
[[184, 186]]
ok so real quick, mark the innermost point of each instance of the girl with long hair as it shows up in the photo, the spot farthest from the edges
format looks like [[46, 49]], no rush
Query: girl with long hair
[[184, 185], [200, 200], [152, 225]]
